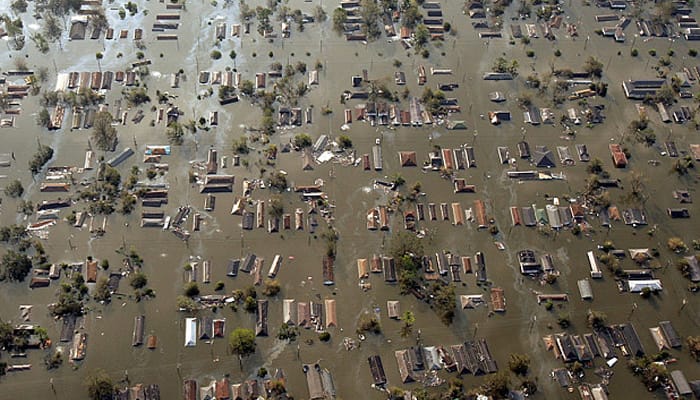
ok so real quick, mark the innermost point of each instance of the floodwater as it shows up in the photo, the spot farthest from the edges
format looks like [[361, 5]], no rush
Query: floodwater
[[518, 330]]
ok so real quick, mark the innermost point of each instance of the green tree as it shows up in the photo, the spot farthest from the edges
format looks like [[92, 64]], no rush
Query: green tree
[[186, 304], [563, 320], [444, 302], [372, 15], [247, 87], [102, 290], [111, 176], [137, 96], [421, 36], [405, 243], [15, 266], [267, 122], [502, 65], [398, 180], [302, 140], [14, 189], [287, 332], [340, 16], [19, 6], [99, 56], [7, 334], [519, 364], [240, 145], [369, 323], [40, 158], [411, 15], [278, 180], [497, 385], [408, 320], [97, 20], [13, 234], [43, 119], [53, 28], [139, 280], [242, 342], [272, 287], [276, 207], [249, 304], [263, 15], [103, 133], [344, 142], [664, 95], [595, 166], [99, 385], [593, 67], [191, 289], [596, 319], [676, 245], [175, 133]]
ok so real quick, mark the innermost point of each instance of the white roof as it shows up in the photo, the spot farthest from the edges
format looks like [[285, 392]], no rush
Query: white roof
[[190, 332], [637, 285]]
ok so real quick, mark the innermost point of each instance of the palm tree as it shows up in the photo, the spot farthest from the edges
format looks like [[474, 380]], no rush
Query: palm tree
[[99, 57]]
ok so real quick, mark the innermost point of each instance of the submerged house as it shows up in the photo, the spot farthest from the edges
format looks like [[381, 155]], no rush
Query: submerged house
[[669, 333], [331, 317], [393, 309], [480, 213], [190, 332], [389, 267], [529, 264], [377, 370], [632, 344], [328, 270], [261, 318], [461, 186], [407, 158], [543, 158], [319, 382], [693, 268], [618, 155], [405, 370], [206, 328], [138, 334], [498, 300]]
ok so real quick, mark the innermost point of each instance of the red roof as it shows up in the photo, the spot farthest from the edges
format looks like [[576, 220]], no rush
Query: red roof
[[223, 389], [619, 157]]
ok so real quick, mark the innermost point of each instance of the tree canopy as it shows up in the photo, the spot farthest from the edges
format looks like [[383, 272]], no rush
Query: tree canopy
[[242, 342], [302, 140], [99, 385], [14, 189], [15, 266], [103, 133]]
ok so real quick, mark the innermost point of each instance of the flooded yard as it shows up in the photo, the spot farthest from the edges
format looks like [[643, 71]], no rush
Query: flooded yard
[[351, 191]]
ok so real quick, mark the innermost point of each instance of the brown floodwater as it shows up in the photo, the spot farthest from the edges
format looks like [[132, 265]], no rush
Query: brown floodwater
[[519, 330]]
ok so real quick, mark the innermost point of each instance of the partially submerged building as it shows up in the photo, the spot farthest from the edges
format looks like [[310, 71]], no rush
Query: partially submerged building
[[377, 370], [319, 382]]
